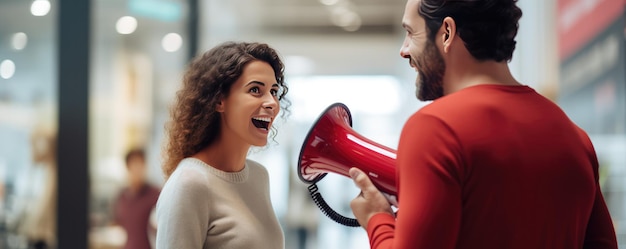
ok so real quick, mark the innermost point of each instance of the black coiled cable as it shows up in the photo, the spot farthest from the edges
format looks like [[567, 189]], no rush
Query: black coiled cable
[[328, 211]]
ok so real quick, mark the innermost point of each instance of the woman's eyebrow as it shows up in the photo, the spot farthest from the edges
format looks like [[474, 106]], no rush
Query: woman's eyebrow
[[256, 83], [261, 83]]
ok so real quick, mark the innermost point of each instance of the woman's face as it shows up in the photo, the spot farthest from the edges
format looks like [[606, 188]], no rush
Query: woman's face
[[252, 105]]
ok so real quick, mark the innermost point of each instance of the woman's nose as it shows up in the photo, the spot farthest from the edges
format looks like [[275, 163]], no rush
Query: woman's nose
[[270, 102]]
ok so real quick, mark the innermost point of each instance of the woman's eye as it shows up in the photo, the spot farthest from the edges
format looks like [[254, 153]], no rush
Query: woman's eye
[[274, 92], [254, 90]]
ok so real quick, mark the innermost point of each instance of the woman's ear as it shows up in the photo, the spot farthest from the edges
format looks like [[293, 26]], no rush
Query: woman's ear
[[219, 107], [448, 33]]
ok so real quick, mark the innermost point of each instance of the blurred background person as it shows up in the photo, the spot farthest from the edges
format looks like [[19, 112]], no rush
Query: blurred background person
[[135, 204]]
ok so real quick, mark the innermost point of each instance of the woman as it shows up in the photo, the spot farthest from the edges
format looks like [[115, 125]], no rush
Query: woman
[[214, 196]]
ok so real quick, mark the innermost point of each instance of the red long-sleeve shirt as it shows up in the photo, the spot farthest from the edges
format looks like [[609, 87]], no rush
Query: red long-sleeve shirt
[[494, 166]]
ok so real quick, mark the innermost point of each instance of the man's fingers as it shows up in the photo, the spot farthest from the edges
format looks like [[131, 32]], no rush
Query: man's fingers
[[360, 178], [369, 201], [362, 181]]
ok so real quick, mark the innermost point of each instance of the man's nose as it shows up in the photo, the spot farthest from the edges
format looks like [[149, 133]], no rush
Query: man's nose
[[404, 50]]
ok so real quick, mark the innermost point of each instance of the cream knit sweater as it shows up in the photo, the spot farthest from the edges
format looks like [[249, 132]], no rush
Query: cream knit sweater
[[203, 207]]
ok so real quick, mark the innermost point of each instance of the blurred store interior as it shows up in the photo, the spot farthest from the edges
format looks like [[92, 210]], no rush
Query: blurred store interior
[[109, 69]]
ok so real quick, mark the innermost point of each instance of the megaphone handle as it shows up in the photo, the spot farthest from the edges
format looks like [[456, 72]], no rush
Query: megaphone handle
[[328, 211], [391, 199]]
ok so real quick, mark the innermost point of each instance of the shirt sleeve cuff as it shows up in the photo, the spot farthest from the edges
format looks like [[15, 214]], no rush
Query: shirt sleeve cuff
[[378, 220]]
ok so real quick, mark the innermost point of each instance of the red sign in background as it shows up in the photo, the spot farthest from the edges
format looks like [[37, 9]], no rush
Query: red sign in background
[[579, 21]]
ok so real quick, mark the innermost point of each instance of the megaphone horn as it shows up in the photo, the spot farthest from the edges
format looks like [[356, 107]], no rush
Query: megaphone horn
[[332, 146]]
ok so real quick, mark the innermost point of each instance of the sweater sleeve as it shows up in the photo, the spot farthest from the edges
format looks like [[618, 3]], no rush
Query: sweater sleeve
[[429, 192], [182, 211]]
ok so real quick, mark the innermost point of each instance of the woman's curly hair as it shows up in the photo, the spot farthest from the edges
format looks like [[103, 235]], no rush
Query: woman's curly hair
[[194, 123], [488, 27]]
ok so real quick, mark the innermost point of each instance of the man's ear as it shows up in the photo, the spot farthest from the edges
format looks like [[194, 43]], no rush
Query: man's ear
[[448, 33]]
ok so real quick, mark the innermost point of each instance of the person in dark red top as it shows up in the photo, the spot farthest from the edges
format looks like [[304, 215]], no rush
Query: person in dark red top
[[490, 163], [135, 204]]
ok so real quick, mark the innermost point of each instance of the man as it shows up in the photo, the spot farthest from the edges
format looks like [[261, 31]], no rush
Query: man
[[490, 163], [135, 204]]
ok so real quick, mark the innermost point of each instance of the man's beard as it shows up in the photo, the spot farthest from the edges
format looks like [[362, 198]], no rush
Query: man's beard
[[430, 68]]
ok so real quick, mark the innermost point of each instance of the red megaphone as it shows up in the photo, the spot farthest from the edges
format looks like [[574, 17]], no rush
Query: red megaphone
[[333, 146]]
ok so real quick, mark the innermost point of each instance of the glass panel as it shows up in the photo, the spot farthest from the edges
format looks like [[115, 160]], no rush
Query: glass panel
[[139, 49], [28, 120]]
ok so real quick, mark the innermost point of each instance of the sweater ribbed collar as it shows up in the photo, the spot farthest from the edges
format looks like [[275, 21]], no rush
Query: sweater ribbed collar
[[234, 177]]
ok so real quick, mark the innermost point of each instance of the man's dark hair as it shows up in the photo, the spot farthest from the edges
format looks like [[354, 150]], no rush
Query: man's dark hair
[[488, 27]]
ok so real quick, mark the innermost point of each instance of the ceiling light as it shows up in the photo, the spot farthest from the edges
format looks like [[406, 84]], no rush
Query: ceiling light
[[329, 2], [19, 40], [126, 25], [172, 42], [7, 69], [40, 7]]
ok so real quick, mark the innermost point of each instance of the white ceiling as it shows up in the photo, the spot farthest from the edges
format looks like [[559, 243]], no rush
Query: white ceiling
[[305, 28], [311, 15]]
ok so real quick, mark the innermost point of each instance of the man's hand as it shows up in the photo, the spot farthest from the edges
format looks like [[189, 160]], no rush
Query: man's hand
[[370, 201]]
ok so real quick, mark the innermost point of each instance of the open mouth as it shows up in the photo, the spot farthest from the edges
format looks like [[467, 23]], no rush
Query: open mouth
[[413, 64], [262, 123]]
